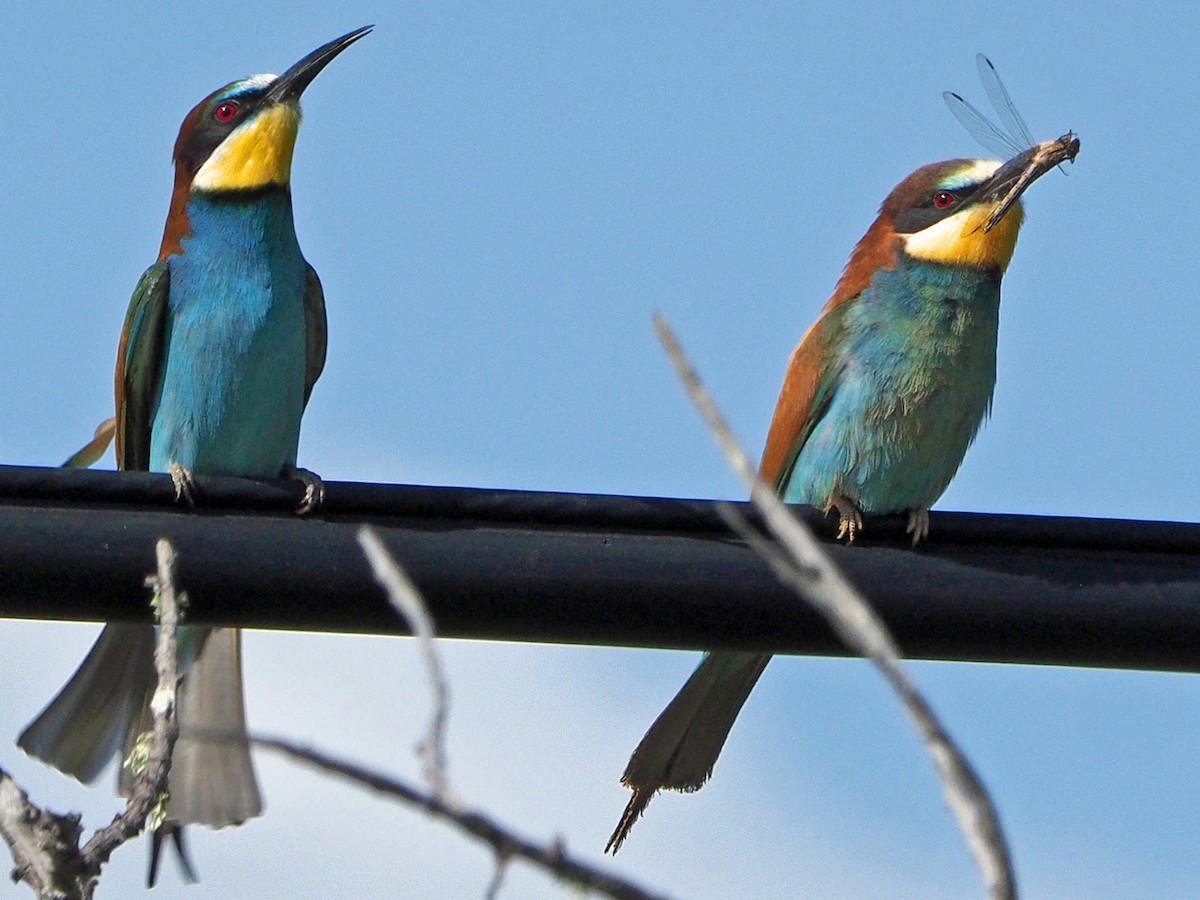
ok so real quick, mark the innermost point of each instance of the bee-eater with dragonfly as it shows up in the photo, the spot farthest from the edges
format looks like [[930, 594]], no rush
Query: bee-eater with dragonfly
[[881, 399]]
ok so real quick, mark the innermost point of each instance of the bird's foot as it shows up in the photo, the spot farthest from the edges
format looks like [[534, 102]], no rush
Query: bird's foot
[[850, 519], [314, 489], [918, 525], [185, 483]]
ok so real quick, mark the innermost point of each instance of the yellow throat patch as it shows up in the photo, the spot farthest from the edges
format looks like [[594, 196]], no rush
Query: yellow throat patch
[[255, 155], [959, 240]]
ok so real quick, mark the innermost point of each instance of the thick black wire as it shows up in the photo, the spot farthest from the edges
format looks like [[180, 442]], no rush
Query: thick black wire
[[575, 568]]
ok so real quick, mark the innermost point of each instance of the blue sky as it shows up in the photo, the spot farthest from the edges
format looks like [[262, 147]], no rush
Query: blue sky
[[497, 196]]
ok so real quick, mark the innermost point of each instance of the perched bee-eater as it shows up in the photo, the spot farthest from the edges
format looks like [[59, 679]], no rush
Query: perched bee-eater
[[223, 341], [882, 397]]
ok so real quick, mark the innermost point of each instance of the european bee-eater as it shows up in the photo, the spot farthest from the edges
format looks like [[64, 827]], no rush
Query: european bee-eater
[[881, 399], [223, 341]]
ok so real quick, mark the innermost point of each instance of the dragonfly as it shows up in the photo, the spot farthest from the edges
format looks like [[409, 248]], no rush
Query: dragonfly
[[1005, 143]]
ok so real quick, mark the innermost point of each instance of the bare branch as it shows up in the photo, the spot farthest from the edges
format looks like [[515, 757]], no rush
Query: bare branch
[[153, 763], [799, 561], [505, 843], [406, 600], [45, 845]]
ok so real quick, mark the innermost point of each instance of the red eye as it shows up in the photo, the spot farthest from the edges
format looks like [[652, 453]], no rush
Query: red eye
[[226, 112], [942, 199]]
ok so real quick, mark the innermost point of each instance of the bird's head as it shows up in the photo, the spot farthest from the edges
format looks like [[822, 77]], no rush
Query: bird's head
[[940, 214], [241, 138], [968, 211], [962, 212]]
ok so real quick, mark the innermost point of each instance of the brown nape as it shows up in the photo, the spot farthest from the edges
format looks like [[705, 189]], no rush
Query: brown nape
[[177, 226], [876, 250]]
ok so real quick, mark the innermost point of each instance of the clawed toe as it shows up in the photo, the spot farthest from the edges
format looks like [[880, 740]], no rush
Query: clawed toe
[[185, 483], [850, 520], [314, 489], [918, 525]]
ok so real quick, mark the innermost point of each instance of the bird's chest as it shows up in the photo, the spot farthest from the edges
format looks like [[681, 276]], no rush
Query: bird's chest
[[233, 378], [912, 384], [934, 356]]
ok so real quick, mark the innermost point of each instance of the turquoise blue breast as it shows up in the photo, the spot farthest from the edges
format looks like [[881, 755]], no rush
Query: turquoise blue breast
[[233, 378], [910, 384]]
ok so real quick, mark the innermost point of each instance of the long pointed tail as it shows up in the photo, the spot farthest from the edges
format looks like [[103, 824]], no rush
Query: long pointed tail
[[680, 749], [633, 811]]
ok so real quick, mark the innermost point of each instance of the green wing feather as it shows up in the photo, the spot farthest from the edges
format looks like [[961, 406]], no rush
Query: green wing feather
[[316, 331], [139, 359], [139, 366]]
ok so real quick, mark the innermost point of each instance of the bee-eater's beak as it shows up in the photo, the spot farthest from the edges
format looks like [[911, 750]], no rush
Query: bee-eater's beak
[[1012, 178], [291, 84]]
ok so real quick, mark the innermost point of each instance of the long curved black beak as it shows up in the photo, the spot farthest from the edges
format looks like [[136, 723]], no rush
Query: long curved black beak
[[1012, 178], [291, 84]]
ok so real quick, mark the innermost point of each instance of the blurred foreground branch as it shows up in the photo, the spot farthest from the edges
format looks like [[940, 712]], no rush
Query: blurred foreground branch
[[45, 844], [798, 560], [504, 842], [406, 600]]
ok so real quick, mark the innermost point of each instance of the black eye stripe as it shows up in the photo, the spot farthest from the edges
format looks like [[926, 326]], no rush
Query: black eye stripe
[[210, 130], [959, 194], [927, 212]]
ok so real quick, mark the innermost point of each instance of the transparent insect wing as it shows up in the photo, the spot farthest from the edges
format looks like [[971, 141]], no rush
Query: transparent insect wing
[[1007, 144], [1005, 108], [985, 132]]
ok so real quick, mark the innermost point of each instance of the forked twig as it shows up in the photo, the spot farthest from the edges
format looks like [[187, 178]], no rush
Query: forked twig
[[44, 844]]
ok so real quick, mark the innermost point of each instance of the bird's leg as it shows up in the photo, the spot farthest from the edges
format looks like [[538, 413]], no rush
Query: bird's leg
[[314, 488], [185, 483], [918, 525], [850, 520]]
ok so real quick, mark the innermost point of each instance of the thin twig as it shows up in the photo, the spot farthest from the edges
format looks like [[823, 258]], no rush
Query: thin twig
[[153, 763], [505, 843], [406, 600], [799, 561], [497, 882]]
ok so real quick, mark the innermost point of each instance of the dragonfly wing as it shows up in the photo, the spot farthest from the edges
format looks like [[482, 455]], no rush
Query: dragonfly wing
[[981, 128], [1005, 108]]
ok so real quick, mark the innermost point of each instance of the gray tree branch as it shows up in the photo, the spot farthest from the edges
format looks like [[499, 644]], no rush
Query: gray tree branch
[[406, 600], [504, 842], [44, 844]]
